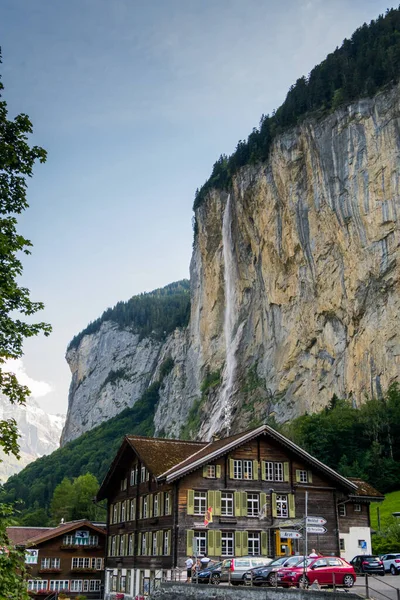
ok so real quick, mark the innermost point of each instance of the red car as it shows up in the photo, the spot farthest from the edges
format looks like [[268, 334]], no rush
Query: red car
[[327, 570]]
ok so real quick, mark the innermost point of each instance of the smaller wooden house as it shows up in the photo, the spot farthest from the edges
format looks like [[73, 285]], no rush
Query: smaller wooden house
[[243, 495]]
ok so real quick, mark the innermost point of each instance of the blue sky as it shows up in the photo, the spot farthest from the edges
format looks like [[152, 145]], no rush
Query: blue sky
[[134, 100]]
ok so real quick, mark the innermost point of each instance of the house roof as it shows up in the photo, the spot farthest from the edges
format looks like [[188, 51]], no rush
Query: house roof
[[214, 450], [157, 454], [61, 530], [366, 491], [18, 535]]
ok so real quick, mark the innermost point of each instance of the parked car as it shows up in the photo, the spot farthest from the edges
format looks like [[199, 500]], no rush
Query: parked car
[[391, 562], [266, 575], [231, 569], [327, 570], [367, 563]]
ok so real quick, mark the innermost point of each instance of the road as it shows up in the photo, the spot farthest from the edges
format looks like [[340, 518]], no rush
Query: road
[[380, 588]]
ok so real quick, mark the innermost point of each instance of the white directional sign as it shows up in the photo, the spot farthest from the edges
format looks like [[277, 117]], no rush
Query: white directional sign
[[315, 529], [294, 535], [315, 521]]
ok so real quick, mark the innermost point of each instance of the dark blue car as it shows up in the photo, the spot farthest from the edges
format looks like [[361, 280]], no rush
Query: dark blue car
[[211, 574]]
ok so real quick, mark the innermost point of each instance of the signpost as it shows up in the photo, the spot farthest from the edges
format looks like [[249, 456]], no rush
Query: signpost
[[315, 521], [294, 535], [315, 529]]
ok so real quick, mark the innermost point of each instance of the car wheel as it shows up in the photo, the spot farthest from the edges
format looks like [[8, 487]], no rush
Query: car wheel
[[393, 570], [215, 579], [272, 579], [304, 582], [348, 581], [382, 574]]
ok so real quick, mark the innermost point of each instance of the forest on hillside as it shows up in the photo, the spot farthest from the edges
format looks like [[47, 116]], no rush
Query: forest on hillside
[[363, 65], [155, 313]]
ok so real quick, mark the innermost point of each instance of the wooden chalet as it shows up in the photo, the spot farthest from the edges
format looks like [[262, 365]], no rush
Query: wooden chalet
[[255, 486], [68, 558]]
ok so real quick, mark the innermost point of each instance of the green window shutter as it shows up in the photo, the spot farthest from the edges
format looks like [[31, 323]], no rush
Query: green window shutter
[[160, 535], [211, 500], [205, 471], [211, 543], [217, 506], [285, 471], [169, 541], [309, 476], [111, 514], [140, 507], [190, 502], [298, 475], [117, 545], [218, 471], [263, 471], [189, 542], [274, 513], [150, 505], [109, 546], [245, 543], [126, 545], [238, 543], [292, 511], [238, 511], [119, 512], [264, 543], [149, 543], [244, 504], [263, 501], [218, 544], [255, 469], [231, 468]]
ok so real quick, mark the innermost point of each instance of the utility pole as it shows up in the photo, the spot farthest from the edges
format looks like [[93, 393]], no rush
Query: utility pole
[[305, 539]]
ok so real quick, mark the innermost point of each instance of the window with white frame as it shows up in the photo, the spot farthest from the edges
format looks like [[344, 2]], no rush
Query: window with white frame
[[115, 515], [143, 474], [278, 471], [143, 545], [57, 585], [50, 563], [211, 471], [253, 544], [201, 540], [166, 543], [166, 503], [68, 540], [282, 508], [253, 505], [124, 484], [130, 544], [132, 515], [123, 512], [227, 543], [200, 500], [94, 585], [82, 562], [34, 585], [357, 508], [247, 469], [269, 471], [145, 513], [121, 546], [134, 476], [302, 476], [93, 540], [237, 469], [76, 585], [154, 548], [342, 510], [227, 504], [155, 505]]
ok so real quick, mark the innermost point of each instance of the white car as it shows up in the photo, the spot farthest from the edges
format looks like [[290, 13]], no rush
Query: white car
[[391, 562]]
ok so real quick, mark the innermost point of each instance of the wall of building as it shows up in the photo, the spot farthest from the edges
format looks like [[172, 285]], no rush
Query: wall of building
[[353, 542]]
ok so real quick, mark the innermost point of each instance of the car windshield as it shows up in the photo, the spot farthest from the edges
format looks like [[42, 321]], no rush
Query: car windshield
[[301, 564], [278, 561], [212, 566]]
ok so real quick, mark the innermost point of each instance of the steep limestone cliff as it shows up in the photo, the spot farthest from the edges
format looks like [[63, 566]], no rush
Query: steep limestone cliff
[[294, 289]]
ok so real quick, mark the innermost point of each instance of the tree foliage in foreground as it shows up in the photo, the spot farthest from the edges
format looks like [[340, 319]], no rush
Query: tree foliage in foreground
[[13, 573], [364, 64]]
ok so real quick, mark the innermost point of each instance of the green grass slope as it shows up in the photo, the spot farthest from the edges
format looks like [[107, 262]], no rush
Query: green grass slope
[[386, 508]]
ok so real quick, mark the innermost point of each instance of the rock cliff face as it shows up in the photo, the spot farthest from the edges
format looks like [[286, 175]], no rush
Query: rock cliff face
[[294, 288]]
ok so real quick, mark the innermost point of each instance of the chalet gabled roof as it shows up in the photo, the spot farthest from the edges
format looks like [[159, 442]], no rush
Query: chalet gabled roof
[[214, 450], [365, 491], [63, 529], [156, 454], [18, 534]]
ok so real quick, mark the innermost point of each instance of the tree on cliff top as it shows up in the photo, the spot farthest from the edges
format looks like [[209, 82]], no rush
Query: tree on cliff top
[[17, 159]]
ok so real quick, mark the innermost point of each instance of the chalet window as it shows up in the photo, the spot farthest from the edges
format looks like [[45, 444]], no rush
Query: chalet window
[[76, 585], [342, 544], [200, 500], [237, 469], [143, 474], [69, 540], [115, 516], [134, 476], [247, 469], [201, 541], [58, 585], [282, 507], [93, 540], [143, 545], [130, 546], [166, 543], [357, 508], [35, 585], [227, 541], [253, 544], [122, 545], [211, 471], [80, 562], [124, 484], [269, 471], [155, 505], [145, 507], [50, 563], [132, 515], [301, 476], [278, 471], [154, 548], [123, 511], [166, 503], [227, 504], [113, 546], [94, 585], [253, 505], [342, 510]]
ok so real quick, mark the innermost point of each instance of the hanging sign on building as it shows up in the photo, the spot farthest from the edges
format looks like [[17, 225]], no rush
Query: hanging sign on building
[[31, 556]]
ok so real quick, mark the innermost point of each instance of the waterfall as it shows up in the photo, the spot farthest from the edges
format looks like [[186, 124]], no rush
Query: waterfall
[[229, 319]]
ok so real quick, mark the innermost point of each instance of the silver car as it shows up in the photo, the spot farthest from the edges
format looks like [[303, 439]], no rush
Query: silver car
[[266, 575], [233, 569]]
